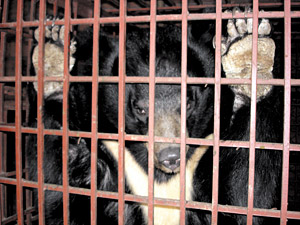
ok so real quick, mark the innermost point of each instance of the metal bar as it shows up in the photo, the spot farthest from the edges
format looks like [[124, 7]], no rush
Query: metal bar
[[287, 111], [128, 137], [29, 194], [159, 18], [217, 102], [143, 138], [40, 125], [253, 114], [94, 119], [184, 33], [151, 133], [158, 80], [65, 128], [18, 112], [55, 6], [121, 113]]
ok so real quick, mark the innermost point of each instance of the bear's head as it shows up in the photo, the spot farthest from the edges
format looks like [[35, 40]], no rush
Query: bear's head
[[167, 111]]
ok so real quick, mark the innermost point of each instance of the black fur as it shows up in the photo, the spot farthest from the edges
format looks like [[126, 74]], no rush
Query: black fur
[[233, 163]]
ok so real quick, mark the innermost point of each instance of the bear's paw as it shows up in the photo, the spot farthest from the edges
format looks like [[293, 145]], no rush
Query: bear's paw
[[53, 56]]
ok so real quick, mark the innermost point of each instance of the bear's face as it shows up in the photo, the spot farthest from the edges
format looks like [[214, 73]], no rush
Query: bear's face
[[167, 117], [167, 106]]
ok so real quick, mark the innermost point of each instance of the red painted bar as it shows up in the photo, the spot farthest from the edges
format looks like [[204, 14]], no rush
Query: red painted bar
[[29, 194], [18, 112], [195, 141], [170, 17], [94, 119], [151, 134], [253, 115], [65, 129], [217, 102], [40, 125], [184, 33], [55, 6], [287, 111], [165, 80], [121, 116]]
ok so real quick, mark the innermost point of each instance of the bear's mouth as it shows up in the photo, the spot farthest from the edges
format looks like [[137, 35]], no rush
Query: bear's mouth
[[168, 166]]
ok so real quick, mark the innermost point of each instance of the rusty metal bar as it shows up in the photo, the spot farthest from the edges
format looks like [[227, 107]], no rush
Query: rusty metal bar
[[65, 128], [18, 112], [184, 33], [159, 18], [191, 141], [217, 102], [55, 6], [151, 134], [29, 194], [40, 125], [128, 137], [158, 80], [165, 80], [94, 119], [253, 114], [121, 113], [287, 111]]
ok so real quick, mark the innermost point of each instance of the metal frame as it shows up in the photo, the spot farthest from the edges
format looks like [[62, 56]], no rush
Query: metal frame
[[152, 19]]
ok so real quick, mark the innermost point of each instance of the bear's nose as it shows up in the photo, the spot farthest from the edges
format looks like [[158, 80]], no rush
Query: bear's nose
[[170, 158]]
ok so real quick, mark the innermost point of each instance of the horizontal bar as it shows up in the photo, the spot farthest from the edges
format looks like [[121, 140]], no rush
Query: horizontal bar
[[159, 18], [158, 80], [144, 138]]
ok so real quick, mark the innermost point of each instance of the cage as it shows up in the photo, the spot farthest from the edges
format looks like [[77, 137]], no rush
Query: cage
[[23, 198]]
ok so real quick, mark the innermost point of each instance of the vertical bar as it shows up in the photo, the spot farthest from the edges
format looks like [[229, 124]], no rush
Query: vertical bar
[[253, 115], [65, 137], [55, 6], [121, 116], [151, 111], [183, 109], [18, 111], [94, 119], [287, 110], [40, 125], [29, 194], [217, 103]]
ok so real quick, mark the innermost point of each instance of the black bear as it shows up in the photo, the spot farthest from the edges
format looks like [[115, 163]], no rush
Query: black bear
[[235, 124]]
